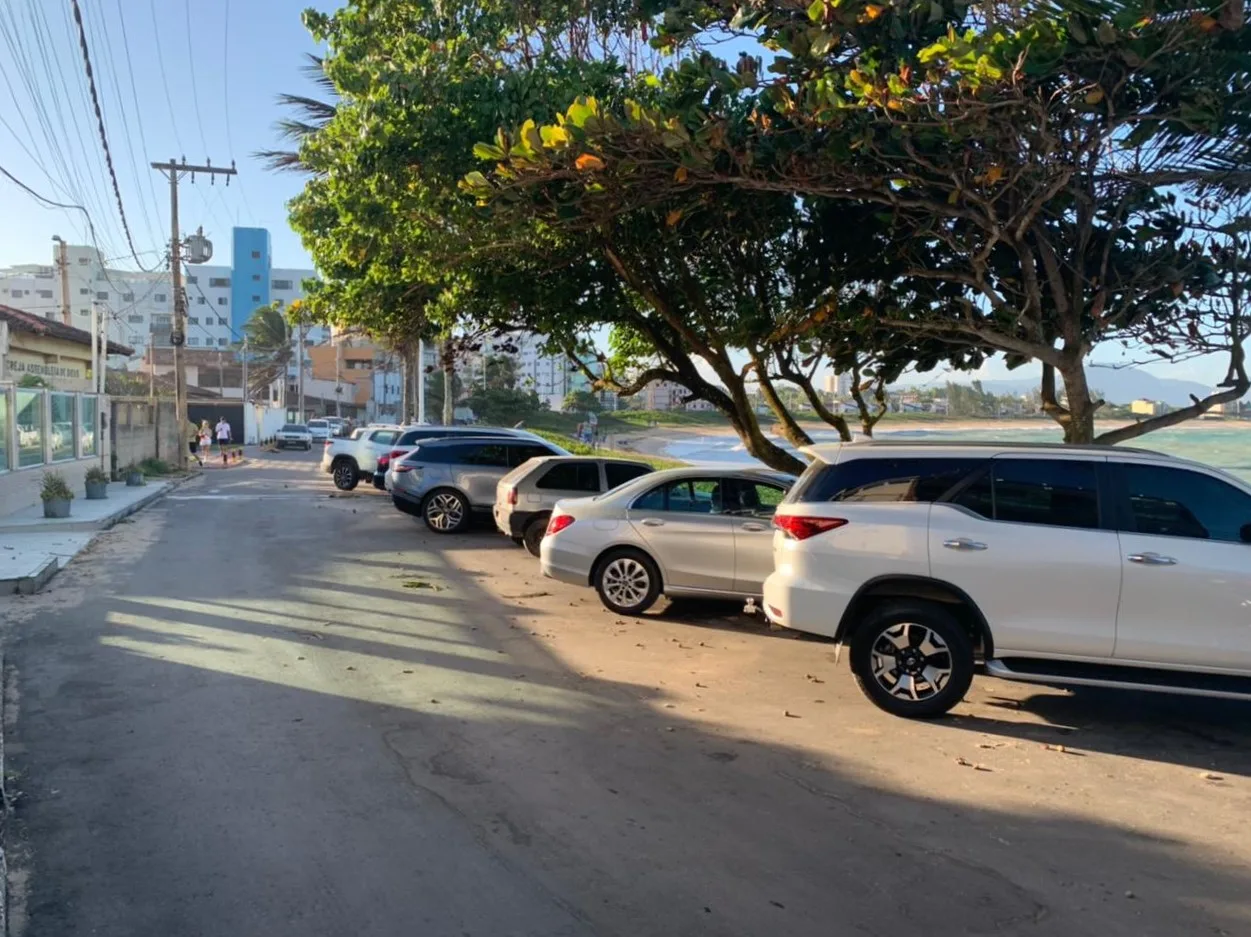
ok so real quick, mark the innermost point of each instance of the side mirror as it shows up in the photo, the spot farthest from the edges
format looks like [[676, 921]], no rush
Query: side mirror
[[1245, 533]]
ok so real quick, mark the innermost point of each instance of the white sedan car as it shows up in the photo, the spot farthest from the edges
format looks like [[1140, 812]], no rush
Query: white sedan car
[[293, 436], [690, 531]]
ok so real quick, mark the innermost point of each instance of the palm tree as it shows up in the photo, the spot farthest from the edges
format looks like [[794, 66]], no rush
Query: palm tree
[[269, 347], [311, 115]]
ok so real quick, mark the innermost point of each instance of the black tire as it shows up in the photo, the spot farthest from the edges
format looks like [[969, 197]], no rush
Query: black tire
[[615, 573], [532, 536], [917, 642], [520, 541], [344, 474], [308, 448], [379, 483], [445, 511]]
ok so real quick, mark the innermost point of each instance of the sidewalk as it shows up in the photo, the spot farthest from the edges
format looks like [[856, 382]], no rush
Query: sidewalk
[[33, 547]]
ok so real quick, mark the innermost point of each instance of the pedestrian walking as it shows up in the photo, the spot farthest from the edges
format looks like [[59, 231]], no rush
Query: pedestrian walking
[[193, 441], [223, 437], [206, 439]]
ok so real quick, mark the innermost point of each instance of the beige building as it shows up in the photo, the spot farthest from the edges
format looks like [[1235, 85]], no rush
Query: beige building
[[57, 354], [1144, 407]]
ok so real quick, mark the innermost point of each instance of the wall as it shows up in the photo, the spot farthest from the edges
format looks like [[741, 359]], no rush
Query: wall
[[260, 422], [71, 428], [140, 429], [249, 277]]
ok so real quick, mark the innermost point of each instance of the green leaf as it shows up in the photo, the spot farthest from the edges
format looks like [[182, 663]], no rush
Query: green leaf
[[582, 110], [487, 151], [816, 12], [554, 137]]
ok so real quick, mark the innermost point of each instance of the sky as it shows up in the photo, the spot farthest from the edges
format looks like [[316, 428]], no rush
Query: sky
[[176, 79]]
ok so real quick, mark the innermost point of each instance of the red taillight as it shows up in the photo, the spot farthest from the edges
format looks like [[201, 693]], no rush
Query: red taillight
[[558, 523], [512, 495], [383, 462], [801, 528], [396, 453], [402, 468], [328, 442]]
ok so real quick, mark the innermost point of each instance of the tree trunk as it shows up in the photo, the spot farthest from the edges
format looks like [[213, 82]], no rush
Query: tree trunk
[[824, 412], [405, 403], [793, 432], [1077, 416], [448, 361]]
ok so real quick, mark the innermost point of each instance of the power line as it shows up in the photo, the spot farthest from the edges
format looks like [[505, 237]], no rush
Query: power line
[[195, 94], [134, 96], [104, 138]]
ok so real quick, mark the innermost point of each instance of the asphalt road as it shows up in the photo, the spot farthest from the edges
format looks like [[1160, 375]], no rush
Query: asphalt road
[[264, 708]]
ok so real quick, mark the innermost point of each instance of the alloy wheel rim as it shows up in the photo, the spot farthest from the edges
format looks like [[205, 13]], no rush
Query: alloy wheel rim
[[342, 474], [911, 662], [444, 512], [626, 582]]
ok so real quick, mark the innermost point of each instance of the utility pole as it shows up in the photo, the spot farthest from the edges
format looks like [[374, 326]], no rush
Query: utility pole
[[63, 264], [338, 377], [174, 171], [300, 378], [246, 395], [421, 381]]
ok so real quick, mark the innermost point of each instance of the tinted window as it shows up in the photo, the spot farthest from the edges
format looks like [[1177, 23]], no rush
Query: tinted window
[[689, 496], [318, 424], [882, 480], [751, 499], [618, 473], [520, 453], [494, 454], [571, 476], [294, 428], [1053, 492], [1170, 502], [384, 436]]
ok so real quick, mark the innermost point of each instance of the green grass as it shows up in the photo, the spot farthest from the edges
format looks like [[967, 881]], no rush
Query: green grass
[[623, 421], [580, 448]]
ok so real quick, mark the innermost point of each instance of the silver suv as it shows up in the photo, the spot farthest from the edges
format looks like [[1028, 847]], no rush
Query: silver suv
[[525, 496], [444, 481]]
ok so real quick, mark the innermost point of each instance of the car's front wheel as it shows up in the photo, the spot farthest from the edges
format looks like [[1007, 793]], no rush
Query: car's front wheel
[[532, 536], [628, 582], [912, 659], [446, 511], [345, 475]]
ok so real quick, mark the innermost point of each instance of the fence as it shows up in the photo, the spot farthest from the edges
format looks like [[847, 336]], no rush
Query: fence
[[143, 428], [46, 429]]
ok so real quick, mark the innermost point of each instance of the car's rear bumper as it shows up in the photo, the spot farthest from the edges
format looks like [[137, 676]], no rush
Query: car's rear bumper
[[565, 565], [803, 606], [512, 523], [408, 505]]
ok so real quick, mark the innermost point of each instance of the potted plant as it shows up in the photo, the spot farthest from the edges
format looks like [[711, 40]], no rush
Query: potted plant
[[134, 476], [97, 484], [56, 495]]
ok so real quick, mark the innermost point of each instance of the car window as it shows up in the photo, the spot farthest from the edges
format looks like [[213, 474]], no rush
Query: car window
[[520, 453], [490, 453], [1051, 492], [745, 498], [688, 496], [571, 476], [294, 428], [317, 424], [1170, 502], [618, 473], [862, 480], [384, 436]]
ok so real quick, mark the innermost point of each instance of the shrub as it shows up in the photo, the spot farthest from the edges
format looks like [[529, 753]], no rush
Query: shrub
[[96, 475], [54, 488]]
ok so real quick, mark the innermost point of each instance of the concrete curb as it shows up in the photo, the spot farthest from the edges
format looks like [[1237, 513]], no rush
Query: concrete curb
[[29, 585], [5, 806]]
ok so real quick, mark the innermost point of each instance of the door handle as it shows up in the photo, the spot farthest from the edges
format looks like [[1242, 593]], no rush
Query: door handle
[[963, 543], [653, 522], [1151, 559], [754, 527]]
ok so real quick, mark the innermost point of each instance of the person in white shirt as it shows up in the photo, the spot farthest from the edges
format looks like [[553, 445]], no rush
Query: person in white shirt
[[223, 437]]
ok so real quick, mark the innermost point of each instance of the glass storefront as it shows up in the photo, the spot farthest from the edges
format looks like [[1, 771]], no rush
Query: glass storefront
[[30, 428], [91, 424], [62, 431], [4, 432]]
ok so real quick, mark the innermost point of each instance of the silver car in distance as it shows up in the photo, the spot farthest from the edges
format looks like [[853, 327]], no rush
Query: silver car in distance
[[689, 531]]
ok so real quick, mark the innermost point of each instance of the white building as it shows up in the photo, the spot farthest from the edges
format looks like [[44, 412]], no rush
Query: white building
[[838, 384]]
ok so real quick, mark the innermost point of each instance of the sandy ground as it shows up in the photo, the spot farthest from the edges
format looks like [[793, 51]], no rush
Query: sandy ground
[[264, 708]]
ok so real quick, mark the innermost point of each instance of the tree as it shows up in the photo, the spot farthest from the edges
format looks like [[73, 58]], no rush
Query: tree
[[581, 401], [1051, 171], [269, 347]]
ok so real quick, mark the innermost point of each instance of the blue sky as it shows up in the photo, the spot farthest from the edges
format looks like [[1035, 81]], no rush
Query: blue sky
[[210, 92], [216, 113]]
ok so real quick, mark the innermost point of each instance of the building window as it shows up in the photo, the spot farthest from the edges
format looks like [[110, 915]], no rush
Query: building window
[[256, 299], [192, 320], [256, 276], [193, 341], [134, 318], [219, 281], [191, 278], [159, 297], [100, 276], [281, 284], [45, 294], [103, 295], [200, 300], [222, 301], [128, 297], [84, 291], [221, 321], [221, 341], [256, 255], [83, 261], [82, 312], [160, 320]]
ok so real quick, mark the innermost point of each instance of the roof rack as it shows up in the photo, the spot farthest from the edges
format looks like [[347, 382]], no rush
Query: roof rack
[[999, 444]]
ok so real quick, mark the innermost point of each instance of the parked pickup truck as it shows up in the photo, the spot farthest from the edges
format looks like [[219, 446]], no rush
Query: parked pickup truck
[[347, 461]]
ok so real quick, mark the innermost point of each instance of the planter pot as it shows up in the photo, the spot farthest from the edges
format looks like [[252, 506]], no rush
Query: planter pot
[[134, 479], [58, 508], [97, 491]]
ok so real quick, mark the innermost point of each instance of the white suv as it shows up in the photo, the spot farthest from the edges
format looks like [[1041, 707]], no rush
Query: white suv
[[1052, 564]]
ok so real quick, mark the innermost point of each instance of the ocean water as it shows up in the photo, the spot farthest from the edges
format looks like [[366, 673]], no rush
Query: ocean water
[[1226, 446]]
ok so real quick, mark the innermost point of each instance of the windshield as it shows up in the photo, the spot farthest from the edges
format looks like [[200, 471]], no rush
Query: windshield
[[294, 428], [317, 424]]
